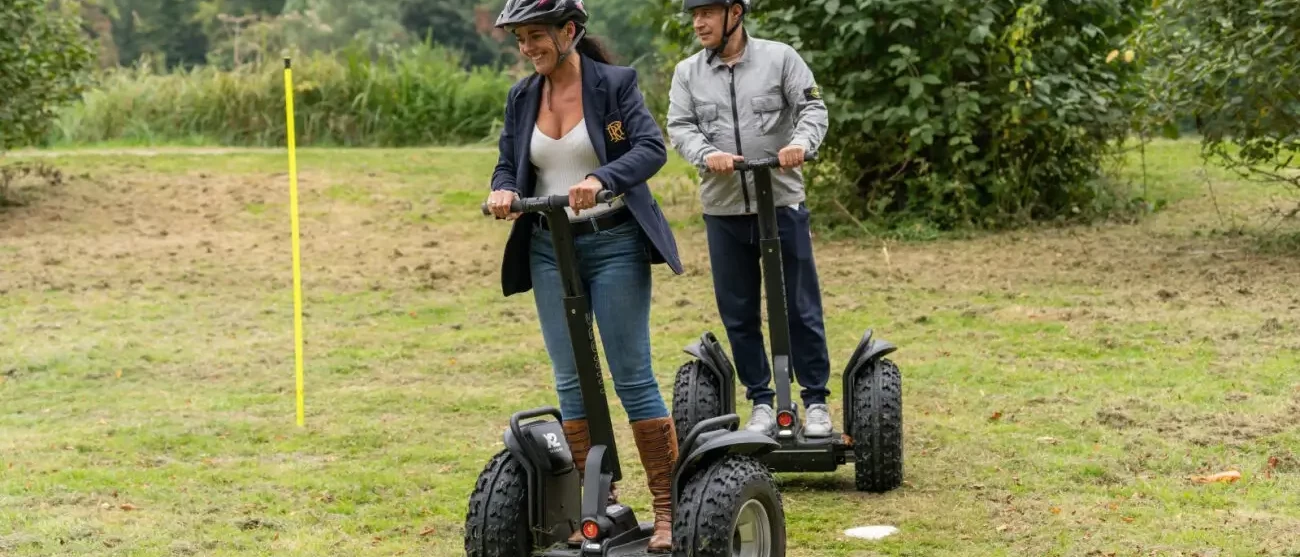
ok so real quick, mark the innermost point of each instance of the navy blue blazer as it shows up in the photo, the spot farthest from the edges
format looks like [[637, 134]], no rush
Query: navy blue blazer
[[631, 152]]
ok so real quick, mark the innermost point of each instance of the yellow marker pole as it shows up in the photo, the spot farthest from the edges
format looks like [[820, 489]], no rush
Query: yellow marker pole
[[293, 224]]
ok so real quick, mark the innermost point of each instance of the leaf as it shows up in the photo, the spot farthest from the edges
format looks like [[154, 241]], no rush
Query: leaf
[[1056, 510], [1222, 477], [119, 374], [128, 507], [427, 531], [996, 416]]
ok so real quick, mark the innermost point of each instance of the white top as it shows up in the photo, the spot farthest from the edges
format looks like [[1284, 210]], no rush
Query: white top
[[563, 163]]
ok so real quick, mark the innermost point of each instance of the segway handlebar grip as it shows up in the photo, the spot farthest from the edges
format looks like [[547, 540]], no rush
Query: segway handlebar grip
[[545, 203]]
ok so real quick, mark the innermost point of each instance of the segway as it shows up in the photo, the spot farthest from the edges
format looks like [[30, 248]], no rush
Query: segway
[[528, 501], [872, 434]]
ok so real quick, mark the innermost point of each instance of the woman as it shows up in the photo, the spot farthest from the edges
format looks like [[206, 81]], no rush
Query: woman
[[577, 126]]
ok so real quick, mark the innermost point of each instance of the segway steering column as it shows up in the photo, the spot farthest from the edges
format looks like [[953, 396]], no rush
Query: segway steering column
[[769, 245]]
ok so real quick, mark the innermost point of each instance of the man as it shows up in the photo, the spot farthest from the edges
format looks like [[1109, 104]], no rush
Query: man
[[742, 96]]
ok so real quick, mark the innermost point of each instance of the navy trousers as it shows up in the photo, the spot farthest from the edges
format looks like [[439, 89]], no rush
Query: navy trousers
[[738, 289]]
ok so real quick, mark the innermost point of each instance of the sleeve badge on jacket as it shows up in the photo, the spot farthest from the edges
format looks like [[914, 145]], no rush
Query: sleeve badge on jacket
[[813, 93], [615, 131]]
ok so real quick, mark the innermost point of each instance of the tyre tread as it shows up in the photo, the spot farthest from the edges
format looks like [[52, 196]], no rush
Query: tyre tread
[[878, 428], [710, 500], [496, 523], [696, 397]]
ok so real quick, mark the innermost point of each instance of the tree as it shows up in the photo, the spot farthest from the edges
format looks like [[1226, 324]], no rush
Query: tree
[[334, 24], [450, 23], [1233, 66], [241, 31], [165, 30], [625, 28], [44, 58]]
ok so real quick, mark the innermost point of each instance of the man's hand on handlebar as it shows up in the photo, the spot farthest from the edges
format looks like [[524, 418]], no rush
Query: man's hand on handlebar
[[722, 163], [791, 156], [499, 203]]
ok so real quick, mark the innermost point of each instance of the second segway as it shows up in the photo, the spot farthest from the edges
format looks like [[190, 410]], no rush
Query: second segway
[[872, 434]]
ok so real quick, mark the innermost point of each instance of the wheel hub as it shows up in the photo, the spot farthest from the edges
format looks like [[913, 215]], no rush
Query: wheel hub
[[752, 534]]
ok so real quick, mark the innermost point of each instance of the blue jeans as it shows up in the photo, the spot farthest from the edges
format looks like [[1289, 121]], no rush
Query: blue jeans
[[615, 268], [738, 289]]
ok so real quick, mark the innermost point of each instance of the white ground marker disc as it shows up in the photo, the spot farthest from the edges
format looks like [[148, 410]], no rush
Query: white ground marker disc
[[870, 532]]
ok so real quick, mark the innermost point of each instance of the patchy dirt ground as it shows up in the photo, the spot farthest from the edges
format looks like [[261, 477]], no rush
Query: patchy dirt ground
[[1061, 385]]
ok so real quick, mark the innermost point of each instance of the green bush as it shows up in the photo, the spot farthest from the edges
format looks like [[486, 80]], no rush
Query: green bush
[[43, 58], [415, 96], [962, 112]]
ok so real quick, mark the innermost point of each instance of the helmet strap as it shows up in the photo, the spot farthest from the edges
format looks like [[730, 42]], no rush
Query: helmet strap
[[580, 32], [726, 33]]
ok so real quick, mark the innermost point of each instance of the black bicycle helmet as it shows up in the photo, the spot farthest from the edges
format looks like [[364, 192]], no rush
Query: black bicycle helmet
[[557, 12], [688, 5], [553, 12], [727, 30]]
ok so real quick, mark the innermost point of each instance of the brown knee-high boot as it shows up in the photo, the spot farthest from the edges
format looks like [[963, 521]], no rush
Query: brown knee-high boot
[[656, 442], [579, 439]]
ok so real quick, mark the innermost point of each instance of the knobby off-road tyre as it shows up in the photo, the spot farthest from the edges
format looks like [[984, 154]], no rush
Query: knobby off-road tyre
[[705, 518], [496, 524], [696, 397], [878, 427]]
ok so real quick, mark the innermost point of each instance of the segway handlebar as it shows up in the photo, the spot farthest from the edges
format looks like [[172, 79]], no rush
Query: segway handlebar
[[766, 162], [545, 203]]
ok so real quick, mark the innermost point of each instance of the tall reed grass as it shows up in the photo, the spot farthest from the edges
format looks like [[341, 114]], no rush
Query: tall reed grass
[[419, 95]]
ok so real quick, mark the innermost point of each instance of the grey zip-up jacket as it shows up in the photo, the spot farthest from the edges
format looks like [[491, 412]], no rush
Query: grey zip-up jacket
[[767, 101]]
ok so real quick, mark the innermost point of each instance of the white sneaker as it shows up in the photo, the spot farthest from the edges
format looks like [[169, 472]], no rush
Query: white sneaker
[[818, 423], [763, 420]]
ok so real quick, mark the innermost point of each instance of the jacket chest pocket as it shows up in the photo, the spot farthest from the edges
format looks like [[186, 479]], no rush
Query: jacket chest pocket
[[768, 110], [707, 114]]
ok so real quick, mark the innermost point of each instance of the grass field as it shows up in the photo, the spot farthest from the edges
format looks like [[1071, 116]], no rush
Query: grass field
[[1061, 385]]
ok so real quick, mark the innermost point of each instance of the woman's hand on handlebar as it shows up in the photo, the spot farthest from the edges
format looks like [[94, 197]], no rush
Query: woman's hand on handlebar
[[499, 203], [583, 194]]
